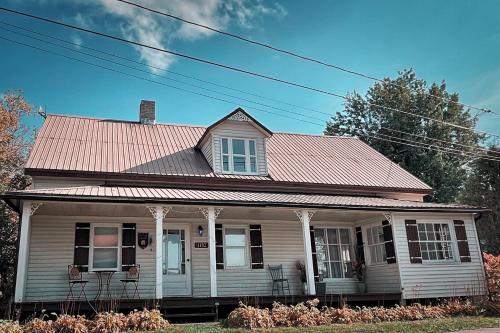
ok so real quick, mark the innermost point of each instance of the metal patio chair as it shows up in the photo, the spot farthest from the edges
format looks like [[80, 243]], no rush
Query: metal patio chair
[[131, 277], [75, 278], [278, 280]]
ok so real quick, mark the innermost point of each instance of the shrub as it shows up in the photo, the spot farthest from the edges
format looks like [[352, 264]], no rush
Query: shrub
[[71, 324], [146, 320], [39, 325], [492, 270], [249, 317], [7, 326], [108, 322]]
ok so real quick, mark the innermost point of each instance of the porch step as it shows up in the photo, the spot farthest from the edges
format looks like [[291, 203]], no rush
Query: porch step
[[188, 312]]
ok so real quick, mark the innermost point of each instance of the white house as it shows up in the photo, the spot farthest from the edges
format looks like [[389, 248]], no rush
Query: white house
[[204, 211]]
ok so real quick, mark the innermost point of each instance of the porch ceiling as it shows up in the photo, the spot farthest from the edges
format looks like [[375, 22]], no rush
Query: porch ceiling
[[179, 196]]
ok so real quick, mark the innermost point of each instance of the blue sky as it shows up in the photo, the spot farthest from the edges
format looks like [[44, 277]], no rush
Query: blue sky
[[455, 40]]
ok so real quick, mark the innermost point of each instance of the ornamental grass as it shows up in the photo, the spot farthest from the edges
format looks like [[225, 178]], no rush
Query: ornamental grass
[[7, 326]]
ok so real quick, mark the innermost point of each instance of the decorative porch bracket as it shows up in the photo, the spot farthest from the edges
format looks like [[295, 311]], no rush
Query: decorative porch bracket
[[305, 216], [388, 216], [211, 214], [159, 213], [29, 208]]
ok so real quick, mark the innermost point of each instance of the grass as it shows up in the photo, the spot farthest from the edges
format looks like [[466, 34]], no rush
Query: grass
[[423, 326]]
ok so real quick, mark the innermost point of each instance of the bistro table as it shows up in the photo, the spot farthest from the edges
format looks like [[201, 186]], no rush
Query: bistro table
[[104, 280]]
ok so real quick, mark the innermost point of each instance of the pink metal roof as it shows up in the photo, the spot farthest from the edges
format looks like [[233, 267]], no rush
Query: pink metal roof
[[217, 197], [105, 146]]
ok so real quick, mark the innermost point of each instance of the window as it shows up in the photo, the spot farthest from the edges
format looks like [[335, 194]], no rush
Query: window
[[239, 155], [105, 247], [174, 252], [435, 241], [376, 244], [235, 247], [334, 252]]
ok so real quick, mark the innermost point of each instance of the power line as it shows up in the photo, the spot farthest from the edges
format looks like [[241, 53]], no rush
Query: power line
[[167, 70], [162, 76], [157, 82], [241, 70], [415, 144], [291, 53]]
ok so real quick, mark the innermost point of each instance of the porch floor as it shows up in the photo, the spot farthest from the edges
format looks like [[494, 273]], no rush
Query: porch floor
[[206, 308]]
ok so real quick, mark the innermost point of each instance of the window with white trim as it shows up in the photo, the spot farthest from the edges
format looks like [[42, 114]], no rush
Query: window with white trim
[[239, 155], [334, 252], [236, 247], [376, 244], [435, 241], [105, 248]]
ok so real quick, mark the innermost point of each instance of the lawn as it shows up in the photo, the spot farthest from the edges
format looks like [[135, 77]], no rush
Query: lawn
[[423, 326]]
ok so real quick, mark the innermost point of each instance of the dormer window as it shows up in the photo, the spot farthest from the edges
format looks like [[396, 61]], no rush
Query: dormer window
[[239, 155]]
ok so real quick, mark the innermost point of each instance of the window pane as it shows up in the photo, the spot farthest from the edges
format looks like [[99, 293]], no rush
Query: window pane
[[225, 149], [346, 253], [235, 237], [238, 146], [253, 164], [334, 252], [105, 236], [173, 253], [321, 253], [225, 163], [239, 163], [336, 269], [345, 238], [251, 144], [235, 257], [105, 258], [348, 270], [332, 236], [323, 269]]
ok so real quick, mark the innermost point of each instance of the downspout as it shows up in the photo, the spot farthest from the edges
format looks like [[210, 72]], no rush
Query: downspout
[[475, 218]]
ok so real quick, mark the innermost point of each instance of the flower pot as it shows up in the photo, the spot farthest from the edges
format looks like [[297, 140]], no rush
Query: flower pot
[[361, 287], [320, 288]]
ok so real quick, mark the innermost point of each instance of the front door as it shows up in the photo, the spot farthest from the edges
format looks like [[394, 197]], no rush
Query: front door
[[176, 260]]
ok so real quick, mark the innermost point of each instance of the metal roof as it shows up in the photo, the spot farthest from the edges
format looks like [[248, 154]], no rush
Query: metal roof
[[91, 146], [129, 194]]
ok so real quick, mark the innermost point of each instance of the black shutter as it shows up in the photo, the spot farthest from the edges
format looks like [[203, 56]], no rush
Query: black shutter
[[389, 242], [256, 250], [219, 246], [314, 255], [413, 245], [463, 243], [128, 245], [360, 253], [82, 245]]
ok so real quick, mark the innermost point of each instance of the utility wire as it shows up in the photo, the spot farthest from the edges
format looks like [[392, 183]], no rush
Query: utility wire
[[240, 70], [291, 53], [166, 70], [161, 76], [156, 82], [114, 55], [414, 144]]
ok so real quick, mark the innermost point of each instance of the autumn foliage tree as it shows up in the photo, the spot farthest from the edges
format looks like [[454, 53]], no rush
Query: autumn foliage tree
[[15, 141]]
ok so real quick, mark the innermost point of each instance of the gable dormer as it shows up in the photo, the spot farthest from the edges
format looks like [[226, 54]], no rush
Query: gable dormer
[[236, 144]]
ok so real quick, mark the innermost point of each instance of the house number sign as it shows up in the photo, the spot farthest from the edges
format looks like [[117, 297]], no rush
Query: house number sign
[[201, 245]]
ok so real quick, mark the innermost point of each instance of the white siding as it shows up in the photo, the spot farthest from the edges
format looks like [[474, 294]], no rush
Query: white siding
[[52, 241], [206, 149], [54, 182], [439, 279], [239, 129]]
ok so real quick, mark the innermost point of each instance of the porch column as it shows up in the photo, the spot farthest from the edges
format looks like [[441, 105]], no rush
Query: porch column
[[29, 209], [305, 217], [211, 214], [159, 213]]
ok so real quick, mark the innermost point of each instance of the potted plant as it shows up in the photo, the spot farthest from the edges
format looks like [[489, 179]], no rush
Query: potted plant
[[359, 272], [301, 268]]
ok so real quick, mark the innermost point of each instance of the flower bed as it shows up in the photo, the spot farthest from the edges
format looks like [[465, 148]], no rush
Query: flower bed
[[307, 314], [107, 322]]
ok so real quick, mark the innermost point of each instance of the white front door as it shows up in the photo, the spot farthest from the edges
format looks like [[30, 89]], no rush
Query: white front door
[[176, 260]]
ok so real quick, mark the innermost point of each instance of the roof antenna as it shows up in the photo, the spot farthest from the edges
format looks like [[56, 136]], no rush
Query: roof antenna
[[42, 113]]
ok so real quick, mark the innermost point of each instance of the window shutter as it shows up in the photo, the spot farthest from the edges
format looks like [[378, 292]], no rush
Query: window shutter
[[314, 255], [128, 245], [360, 253], [413, 245], [219, 246], [463, 243], [82, 245], [256, 251], [389, 242]]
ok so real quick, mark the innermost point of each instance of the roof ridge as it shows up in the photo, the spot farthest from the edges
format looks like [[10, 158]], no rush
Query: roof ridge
[[319, 135]]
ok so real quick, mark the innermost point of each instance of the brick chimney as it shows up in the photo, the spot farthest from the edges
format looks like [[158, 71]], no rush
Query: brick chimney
[[147, 113]]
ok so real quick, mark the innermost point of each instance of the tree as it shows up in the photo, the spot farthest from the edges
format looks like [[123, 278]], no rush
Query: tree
[[15, 141], [482, 188], [444, 168]]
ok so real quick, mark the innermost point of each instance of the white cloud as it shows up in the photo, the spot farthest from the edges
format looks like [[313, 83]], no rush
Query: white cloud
[[159, 31], [76, 39]]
